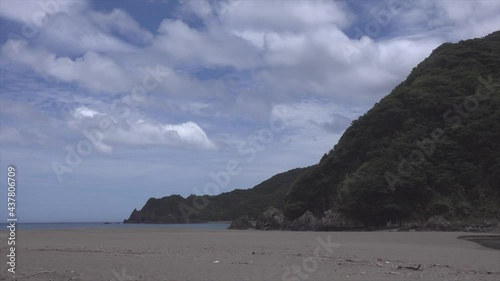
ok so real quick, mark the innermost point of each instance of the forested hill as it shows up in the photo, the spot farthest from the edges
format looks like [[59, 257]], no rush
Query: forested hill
[[224, 207], [431, 147]]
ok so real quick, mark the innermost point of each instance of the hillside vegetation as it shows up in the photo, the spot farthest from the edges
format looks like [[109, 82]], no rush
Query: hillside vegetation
[[431, 147], [224, 207]]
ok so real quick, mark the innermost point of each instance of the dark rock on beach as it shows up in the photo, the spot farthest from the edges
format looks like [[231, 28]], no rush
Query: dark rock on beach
[[271, 219], [438, 223], [305, 222], [241, 223], [338, 221]]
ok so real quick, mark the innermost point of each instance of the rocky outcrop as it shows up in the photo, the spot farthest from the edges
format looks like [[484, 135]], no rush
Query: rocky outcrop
[[477, 225], [274, 219], [305, 222], [241, 223], [438, 223], [271, 219], [338, 221]]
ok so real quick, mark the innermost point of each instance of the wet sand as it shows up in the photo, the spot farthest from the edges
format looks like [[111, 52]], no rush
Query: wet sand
[[173, 254], [490, 241]]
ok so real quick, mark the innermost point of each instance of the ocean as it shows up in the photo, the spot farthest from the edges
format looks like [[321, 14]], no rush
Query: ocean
[[84, 225]]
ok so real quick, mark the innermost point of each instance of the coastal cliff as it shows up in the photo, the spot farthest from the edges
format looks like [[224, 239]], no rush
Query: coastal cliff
[[427, 153]]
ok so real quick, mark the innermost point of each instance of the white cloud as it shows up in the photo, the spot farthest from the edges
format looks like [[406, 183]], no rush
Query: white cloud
[[301, 52], [294, 16], [448, 21], [202, 9], [85, 112], [142, 133], [212, 48], [471, 18], [137, 132], [78, 34], [313, 124], [92, 70], [309, 115], [37, 12], [191, 133], [121, 22], [70, 27]]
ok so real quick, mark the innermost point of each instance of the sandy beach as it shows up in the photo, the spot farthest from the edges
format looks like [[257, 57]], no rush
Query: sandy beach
[[187, 254]]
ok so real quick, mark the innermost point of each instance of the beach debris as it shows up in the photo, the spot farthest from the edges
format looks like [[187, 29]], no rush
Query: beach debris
[[440, 265], [43, 271], [392, 272], [466, 271], [240, 262], [410, 267], [379, 264], [216, 261]]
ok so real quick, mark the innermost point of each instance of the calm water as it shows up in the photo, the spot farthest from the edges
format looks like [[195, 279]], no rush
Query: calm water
[[78, 225]]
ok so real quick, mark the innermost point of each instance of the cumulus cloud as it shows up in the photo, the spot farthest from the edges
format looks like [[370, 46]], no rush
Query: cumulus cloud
[[92, 70], [313, 114], [304, 51], [83, 112], [107, 131], [302, 54], [142, 133], [241, 56], [213, 48], [77, 34], [295, 16], [122, 23], [447, 20], [36, 12]]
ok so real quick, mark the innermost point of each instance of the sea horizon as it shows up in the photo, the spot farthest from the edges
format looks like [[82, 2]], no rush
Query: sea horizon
[[109, 225]]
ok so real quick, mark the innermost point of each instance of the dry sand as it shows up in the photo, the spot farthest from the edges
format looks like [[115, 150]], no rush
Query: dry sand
[[171, 254]]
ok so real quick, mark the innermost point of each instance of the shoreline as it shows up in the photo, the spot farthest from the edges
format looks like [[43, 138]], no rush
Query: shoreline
[[217, 254], [489, 241]]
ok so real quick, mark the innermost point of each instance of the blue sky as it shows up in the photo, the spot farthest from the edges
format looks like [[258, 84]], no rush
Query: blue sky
[[107, 103]]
